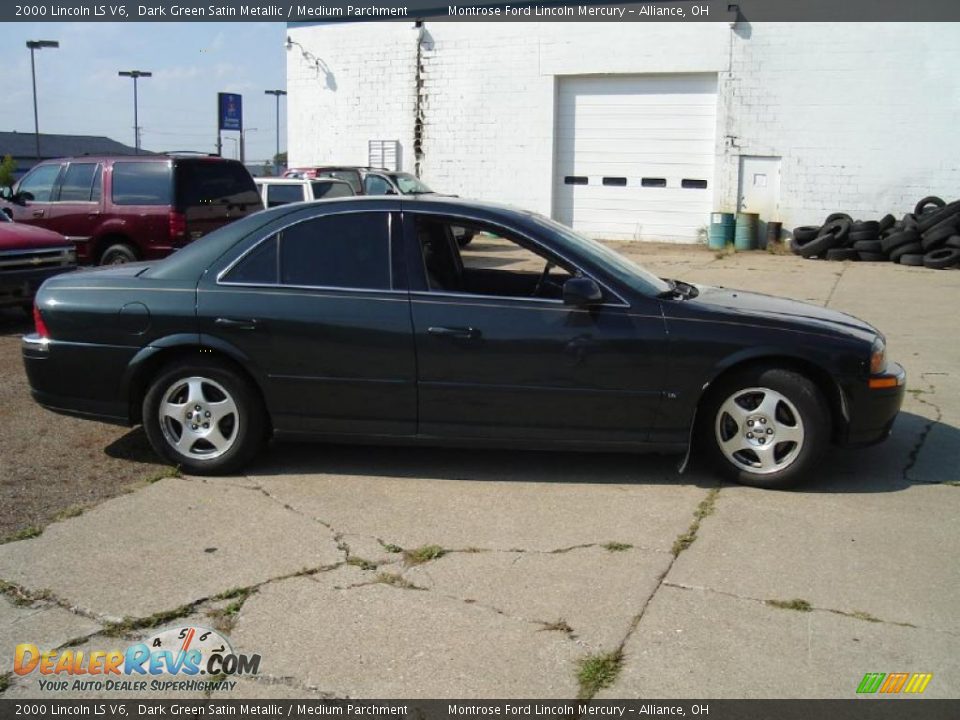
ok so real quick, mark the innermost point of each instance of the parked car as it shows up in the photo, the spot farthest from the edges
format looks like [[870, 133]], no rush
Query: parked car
[[348, 173], [28, 256], [128, 208], [360, 320], [281, 191]]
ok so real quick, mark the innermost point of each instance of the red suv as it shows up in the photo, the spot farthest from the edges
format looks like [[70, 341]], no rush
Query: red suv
[[127, 208]]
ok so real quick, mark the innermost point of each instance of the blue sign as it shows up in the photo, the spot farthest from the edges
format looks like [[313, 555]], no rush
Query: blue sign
[[230, 111]]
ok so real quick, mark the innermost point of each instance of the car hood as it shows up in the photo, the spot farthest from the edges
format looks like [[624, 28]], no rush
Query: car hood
[[771, 307], [14, 236]]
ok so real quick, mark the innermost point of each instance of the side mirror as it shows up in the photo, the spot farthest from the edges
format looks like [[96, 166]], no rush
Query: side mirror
[[581, 292], [22, 197]]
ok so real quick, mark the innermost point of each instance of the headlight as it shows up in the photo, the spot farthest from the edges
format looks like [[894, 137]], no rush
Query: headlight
[[878, 357]]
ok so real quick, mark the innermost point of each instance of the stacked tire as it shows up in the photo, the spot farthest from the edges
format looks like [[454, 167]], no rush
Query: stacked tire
[[927, 237]]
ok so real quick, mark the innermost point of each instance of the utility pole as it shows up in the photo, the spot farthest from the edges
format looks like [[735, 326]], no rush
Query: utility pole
[[277, 94], [37, 45]]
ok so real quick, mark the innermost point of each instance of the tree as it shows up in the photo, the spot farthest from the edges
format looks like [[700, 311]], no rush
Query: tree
[[280, 159], [8, 169]]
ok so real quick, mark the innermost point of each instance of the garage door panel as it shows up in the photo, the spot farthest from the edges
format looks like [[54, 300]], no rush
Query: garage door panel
[[631, 127]]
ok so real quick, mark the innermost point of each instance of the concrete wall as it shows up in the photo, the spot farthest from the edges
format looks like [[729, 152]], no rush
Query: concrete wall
[[862, 115]]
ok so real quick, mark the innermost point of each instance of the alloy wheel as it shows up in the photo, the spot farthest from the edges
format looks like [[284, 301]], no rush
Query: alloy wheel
[[759, 430], [199, 418]]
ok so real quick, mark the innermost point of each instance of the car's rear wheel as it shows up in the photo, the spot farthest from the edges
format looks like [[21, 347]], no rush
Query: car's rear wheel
[[203, 416], [118, 254], [766, 426]]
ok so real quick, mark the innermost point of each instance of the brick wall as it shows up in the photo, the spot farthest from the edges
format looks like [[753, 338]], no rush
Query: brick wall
[[862, 115]]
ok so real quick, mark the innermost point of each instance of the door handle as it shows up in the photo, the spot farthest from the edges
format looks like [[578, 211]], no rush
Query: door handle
[[38, 213], [456, 333], [236, 324]]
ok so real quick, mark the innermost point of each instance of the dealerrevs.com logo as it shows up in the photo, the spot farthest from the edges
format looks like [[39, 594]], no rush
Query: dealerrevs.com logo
[[181, 658]]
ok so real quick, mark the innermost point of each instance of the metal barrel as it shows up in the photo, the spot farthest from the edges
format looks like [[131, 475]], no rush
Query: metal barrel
[[721, 230], [745, 235]]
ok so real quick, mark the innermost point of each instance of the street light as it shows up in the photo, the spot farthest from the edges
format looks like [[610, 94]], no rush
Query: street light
[[243, 142], [37, 45], [135, 74], [277, 94]]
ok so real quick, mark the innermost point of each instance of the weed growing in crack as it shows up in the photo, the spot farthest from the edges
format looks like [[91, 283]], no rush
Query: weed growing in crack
[[798, 604], [237, 592], [226, 617], [391, 548], [70, 512], [861, 615], [598, 671], [361, 563], [25, 534], [21, 596], [616, 546], [395, 580], [168, 471], [4, 682], [423, 554], [704, 509], [129, 625]]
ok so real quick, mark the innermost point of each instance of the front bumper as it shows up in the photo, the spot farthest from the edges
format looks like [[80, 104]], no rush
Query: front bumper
[[873, 410]]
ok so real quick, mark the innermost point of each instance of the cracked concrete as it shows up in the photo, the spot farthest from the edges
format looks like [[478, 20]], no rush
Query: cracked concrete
[[526, 588]]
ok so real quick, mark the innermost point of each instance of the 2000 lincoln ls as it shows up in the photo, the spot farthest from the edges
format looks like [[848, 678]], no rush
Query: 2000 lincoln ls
[[362, 319]]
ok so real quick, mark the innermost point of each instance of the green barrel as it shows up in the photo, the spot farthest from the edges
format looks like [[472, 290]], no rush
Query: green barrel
[[745, 236], [721, 230]]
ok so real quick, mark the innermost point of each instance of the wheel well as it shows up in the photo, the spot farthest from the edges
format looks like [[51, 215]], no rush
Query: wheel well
[[152, 365], [113, 239], [816, 374]]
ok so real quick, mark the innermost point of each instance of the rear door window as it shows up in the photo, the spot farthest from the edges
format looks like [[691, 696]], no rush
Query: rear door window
[[78, 182], [39, 182], [283, 194], [350, 176], [214, 182], [350, 250], [331, 189], [142, 183]]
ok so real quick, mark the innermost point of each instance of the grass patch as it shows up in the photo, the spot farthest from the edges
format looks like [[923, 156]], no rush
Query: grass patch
[[168, 471], [4, 682], [233, 593], [617, 546], [704, 509], [361, 563], [70, 512], [798, 604], [391, 548], [21, 596], [24, 534], [224, 618], [598, 671], [952, 483], [395, 580], [128, 624], [423, 554], [557, 626]]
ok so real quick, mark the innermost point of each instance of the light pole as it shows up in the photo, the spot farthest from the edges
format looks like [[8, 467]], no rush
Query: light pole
[[235, 143], [135, 74], [37, 45], [277, 94], [243, 142]]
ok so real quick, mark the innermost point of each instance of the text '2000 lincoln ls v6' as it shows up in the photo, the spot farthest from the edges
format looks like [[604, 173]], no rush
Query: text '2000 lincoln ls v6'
[[363, 319]]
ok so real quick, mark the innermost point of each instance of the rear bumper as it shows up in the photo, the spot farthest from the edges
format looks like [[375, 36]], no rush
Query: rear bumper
[[54, 383], [19, 286], [872, 411]]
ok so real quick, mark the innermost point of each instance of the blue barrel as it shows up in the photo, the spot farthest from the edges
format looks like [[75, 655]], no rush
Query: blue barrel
[[745, 236], [721, 230]]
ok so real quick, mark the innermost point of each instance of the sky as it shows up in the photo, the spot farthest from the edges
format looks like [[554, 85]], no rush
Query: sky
[[80, 93]]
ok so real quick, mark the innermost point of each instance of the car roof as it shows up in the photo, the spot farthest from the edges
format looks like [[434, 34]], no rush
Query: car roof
[[297, 181], [153, 157]]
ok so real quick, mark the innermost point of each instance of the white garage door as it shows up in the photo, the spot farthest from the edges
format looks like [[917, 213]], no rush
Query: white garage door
[[635, 154]]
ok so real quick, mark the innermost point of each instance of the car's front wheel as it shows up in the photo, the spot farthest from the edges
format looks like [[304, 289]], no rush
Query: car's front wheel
[[766, 426], [204, 417]]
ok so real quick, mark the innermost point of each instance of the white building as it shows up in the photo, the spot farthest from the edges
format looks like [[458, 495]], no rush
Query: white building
[[640, 130]]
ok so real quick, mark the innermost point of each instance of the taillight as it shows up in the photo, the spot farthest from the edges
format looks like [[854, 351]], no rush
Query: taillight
[[178, 225], [39, 324]]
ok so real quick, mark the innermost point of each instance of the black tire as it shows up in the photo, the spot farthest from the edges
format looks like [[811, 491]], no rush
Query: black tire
[[118, 254], [909, 222], [886, 222], [942, 258], [812, 416], [909, 249], [242, 431], [870, 246], [953, 242], [935, 218], [904, 237], [818, 247], [872, 257], [865, 226], [861, 235], [911, 259], [843, 254], [833, 217], [940, 233], [928, 204], [806, 233]]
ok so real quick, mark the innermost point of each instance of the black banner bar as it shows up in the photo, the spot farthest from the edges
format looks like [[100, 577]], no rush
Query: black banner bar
[[856, 709], [313, 11]]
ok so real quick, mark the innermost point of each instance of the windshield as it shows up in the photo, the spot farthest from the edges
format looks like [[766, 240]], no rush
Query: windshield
[[410, 184], [619, 266]]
